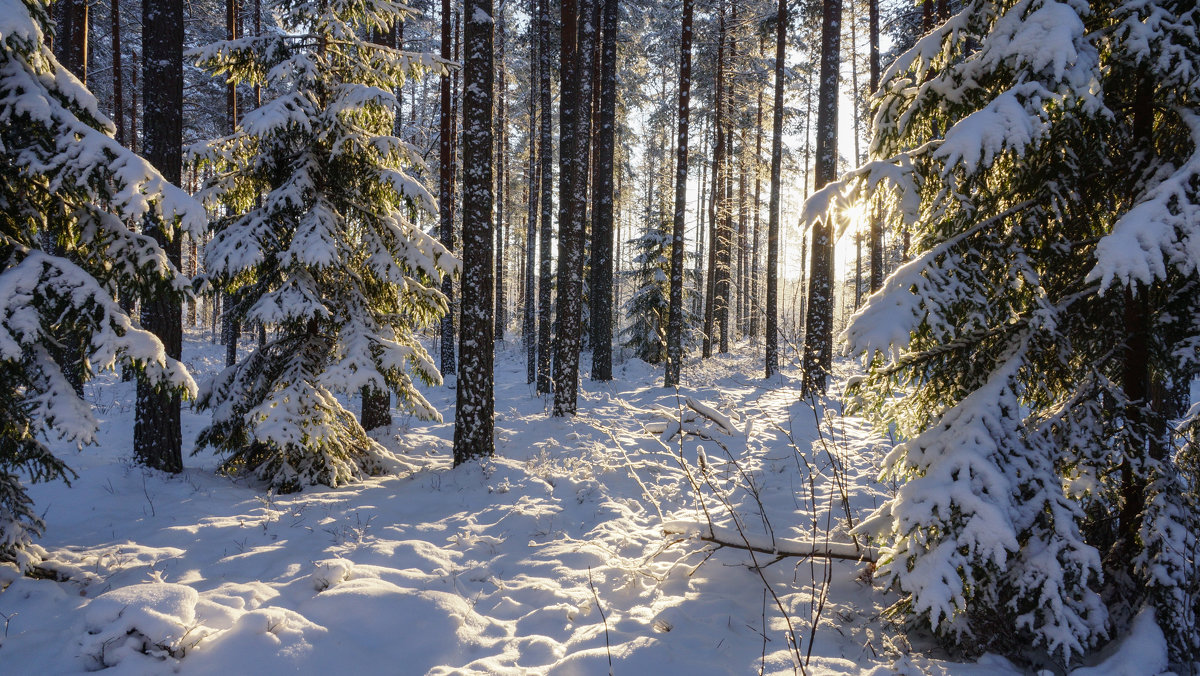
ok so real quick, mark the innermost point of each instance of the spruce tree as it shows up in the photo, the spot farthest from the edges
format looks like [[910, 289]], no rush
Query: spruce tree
[[1046, 158], [317, 240], [650, 306], [68, 203]]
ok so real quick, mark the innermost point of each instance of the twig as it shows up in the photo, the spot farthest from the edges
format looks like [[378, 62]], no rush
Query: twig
[[607, 644], [818, 551]]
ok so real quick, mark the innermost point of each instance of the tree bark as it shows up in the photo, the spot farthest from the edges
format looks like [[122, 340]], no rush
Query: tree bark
[[529, 320], [675, 309], [117, 85], [501, 176], [545, 383], [602, 205], [755, 301], [473, 417], [157, 437], [818, 324], [773, 207], [578, 34], [71, 46], [446, 194], [717, 201], [876, 235], [231, 327]]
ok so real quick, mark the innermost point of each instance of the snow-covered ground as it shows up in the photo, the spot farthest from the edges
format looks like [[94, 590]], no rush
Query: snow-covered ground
[[575, 547]]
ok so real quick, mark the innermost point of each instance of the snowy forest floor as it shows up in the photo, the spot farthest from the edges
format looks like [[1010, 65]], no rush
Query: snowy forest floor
[[560, 554]]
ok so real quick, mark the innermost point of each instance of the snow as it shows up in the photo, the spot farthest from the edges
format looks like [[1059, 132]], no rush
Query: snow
[[486, 568]]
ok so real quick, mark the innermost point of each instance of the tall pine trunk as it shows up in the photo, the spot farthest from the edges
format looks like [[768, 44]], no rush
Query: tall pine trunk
[[675, 309], [529, 320], [772, 319], [755, 301], [117, 85], [231, 326], [157, 437], [545, 383], [876, 234], [717, 201], [578, 34], [818, 324], [473, 416], [602, 204], [501, 144], [446, 194]]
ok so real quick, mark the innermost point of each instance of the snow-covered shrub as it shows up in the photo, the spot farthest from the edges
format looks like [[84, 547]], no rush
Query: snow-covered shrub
[[316, 239], [143, 623], [1045, 157], [68, 195]]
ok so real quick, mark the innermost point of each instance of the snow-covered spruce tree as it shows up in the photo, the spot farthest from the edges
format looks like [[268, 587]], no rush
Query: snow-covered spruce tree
[[68, 195], [1045, 157], [317, 242], [649, 306]]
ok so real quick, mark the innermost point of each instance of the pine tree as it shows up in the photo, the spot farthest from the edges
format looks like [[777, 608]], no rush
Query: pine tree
[[317, 241], [818, 319], [676, 307], [771, 360], [1048, 167], [473, 417], [601, 291], [69, 197]]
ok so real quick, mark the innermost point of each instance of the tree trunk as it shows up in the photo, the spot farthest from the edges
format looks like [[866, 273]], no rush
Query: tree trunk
[[133, 104], [818, 324], [157, 437], [675, 310], [501, 176], [773, 207], [529, 319], [716, 202], [602, 206], [231, 327], [473, 417], [446, 195], [118, 93], [71, 45], [578, 34], [545, 383], [876, 236], [755, 302]]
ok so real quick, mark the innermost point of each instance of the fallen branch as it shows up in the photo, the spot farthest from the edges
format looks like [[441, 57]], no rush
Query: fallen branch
[[781, 548]]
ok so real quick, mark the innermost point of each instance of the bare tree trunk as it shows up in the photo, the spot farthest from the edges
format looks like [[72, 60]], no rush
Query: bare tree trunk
[[501, 175], [529, 320], [446, 194], [71, 45], [231, 328], [675, 309], [545, 383], [755, 301], [577, 55], [772, 322], [473, 417], [602, 205], [716, 204], [118, 93], [133, 105], [818, 324], [876, 236], [157, 437]]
